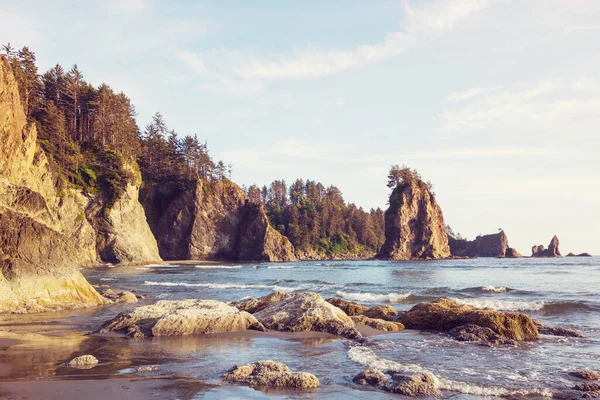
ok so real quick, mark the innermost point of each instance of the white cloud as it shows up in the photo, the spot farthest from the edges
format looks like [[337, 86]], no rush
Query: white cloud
[[420, 23]]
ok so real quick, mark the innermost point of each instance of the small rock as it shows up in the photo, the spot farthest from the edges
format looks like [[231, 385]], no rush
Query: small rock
[[349, 307], [83, 362], [586, 374], [372, 377], [379, 324], [558, 331], [120, 296], [418, 385], [476, 333], [512, 253], [271, 374], [385, 313]]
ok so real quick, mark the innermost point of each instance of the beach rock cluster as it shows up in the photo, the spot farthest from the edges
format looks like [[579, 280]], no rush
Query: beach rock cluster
[[181, 318], [212, 220], [415, 385], [445, 315], [269, 373], [551, 251], [414, 225]]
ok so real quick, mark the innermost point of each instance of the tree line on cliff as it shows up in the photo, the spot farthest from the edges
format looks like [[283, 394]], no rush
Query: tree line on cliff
[[91, 138]]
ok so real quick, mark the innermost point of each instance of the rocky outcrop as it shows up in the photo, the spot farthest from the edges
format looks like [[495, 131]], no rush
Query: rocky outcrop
[[212, 220], [551, 251], [579, 255], [268, 373], [306, 312], [492, 245], [414, 225], [349, 307], [253, 305], [181, 318], [43, 233], [120, 296], [512, 253], [444, 315]]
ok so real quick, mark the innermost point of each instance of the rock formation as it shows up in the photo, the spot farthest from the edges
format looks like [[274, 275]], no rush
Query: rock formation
[[349, 307], [492, 245], [579, 255], [43, 234], [83, 362], [306, 312], [416, 385], [414, 225], [386, 313], [268, 373], [212, 220], [181, 318], [253, 305], [551, 251], [444, 315]]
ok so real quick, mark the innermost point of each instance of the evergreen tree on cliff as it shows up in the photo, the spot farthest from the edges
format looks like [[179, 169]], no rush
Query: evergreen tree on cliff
[[414, 223]]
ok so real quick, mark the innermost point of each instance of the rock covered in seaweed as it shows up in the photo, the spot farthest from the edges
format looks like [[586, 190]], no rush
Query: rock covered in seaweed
[[181, 318], [444, 315], [269, 373], [307, 312]]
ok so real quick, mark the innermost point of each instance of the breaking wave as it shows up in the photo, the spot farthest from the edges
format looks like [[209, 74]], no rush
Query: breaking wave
[[368, 358], [501, 305], [373, 298], [225, 286]]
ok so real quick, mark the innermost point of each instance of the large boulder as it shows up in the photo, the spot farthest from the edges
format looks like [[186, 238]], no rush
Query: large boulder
[[307, 312], [211, 220], [349, 307], [551, 251], [444, 315], [268, 373], [386, 313], [414, 224], [181, 318], [253, 305]]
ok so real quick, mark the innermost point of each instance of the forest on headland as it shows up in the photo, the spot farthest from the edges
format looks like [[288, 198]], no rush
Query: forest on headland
[[94, 144]]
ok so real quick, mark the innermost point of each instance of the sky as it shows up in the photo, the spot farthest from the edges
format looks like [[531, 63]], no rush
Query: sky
[[496, 102]]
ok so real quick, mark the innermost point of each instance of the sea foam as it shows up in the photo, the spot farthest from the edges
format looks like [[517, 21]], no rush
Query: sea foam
[[501, 305], [374, 298], [494, 289]]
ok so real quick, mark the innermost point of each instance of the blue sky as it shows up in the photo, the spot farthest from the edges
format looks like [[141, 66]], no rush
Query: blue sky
[[497, 102]]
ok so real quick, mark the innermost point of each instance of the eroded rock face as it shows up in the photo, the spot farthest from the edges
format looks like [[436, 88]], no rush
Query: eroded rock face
[[378, 324], [268, 373], [349, 307], [43, 235], [181, 318], [444, 315], [307, 312], [253, 305], [414, 225], [212, 220], [551, 251]]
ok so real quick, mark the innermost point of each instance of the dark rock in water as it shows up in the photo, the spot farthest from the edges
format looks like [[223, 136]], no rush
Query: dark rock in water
[[492, 245], [307, 312], [181, 318], [586, 374], [475, 333], [587, 387], [349, 307], [443, 315], [385, 313], [253, 305], [120, 296], [212, 220], [551, 251], [372, 377], [579, 255], [379, 324], [512, 253], [414, 225], [269, 373], [418, 385], [558, 331]]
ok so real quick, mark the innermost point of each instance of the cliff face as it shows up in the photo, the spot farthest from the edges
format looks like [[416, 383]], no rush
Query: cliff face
[[43, 235], [212, 220], [414, 225], [493, 245], [551, 251]]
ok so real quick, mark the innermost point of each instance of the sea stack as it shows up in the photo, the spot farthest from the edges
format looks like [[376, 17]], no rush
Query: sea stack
[[414, 224], [43, 236], [551, 251]]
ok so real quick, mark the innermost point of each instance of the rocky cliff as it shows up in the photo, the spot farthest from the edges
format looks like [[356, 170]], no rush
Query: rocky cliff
[[43, 234], [492, 245], [212, 220], [414, 225], [551, 251]]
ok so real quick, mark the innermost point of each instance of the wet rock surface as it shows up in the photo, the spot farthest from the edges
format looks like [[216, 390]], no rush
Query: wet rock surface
[[83, 362], [379, 324], [269, 373], [253, 305], [386, 313], [586, 374], [120, 296], [476, 333]]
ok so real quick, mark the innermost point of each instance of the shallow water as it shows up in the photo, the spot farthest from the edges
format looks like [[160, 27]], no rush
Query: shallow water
[[559, 292]]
